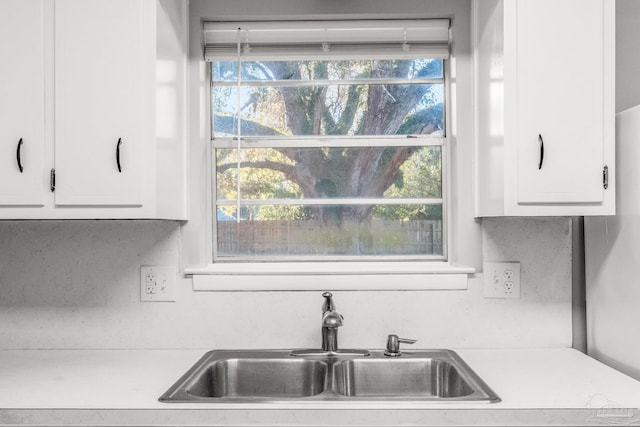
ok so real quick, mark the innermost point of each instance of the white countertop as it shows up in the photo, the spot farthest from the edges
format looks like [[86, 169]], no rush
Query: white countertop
[[121, 387]]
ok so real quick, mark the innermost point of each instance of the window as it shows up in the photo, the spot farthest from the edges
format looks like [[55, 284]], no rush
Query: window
[[331, 147]]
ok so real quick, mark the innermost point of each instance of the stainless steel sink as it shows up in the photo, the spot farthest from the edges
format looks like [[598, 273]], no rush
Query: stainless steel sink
[[408, 377], [260, 377], [276, 375]]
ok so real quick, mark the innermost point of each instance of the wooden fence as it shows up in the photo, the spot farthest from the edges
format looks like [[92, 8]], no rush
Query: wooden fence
[[307, 237]]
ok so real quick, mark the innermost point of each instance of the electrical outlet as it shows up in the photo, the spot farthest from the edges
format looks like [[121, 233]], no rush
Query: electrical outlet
[[501, 279], [158, 283]]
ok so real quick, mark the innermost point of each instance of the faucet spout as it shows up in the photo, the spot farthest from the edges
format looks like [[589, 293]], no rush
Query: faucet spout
[[331, 321], [329, 339]]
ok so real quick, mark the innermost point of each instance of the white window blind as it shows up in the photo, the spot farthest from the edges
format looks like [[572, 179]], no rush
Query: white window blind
[[366, 39]]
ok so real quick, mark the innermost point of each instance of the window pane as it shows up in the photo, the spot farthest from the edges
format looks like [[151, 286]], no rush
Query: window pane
[[391, 109], [277, 230], [371, 191], [262, 71], [340, 172]]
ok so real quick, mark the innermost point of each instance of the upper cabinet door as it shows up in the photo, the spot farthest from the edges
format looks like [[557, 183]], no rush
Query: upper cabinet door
[[99, 102], [22, 177], [559, 91]]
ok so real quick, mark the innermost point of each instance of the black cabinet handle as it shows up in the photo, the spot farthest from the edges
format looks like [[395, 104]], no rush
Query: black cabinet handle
[[18, 157], [541, 151], [118, 155]]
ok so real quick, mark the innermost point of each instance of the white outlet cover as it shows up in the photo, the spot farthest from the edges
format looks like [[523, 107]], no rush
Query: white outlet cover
[[501, 279], [158, 283]]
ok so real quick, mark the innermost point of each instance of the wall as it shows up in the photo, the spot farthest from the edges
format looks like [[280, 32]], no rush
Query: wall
[[627, 58], [612, 293], [611, 261], [75, 284]]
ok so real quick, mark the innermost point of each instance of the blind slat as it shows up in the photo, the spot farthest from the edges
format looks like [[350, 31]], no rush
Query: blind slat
[[328, 39]]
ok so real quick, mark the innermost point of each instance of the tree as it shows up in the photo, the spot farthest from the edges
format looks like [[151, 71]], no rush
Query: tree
[[357, 109]]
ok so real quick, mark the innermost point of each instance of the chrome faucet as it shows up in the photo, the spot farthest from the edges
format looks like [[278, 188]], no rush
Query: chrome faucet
[[331, 321]]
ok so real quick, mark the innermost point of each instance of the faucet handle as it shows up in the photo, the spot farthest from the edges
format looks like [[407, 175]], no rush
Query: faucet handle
[[328, 302], [393, 345]]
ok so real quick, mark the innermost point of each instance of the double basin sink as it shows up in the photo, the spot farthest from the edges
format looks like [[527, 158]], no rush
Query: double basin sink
[[278, 375]]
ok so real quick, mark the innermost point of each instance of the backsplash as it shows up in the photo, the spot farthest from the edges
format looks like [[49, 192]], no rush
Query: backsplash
[[75, 284]]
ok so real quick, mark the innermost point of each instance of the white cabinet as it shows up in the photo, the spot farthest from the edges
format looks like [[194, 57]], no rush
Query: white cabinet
[[92, 78], [21, 103], [545, 110], [99, 110]]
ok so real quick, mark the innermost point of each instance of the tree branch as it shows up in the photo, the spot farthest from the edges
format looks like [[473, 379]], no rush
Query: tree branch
[[280, 167], [228, 125]]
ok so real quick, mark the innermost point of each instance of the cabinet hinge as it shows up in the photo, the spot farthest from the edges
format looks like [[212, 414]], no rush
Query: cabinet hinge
[[52, 180], [605, 177]]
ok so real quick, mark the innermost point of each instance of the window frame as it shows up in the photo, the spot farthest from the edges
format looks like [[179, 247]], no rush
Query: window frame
[[464, 238], [319, 141]]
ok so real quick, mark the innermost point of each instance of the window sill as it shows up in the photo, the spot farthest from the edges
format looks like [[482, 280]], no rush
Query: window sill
[[287, 276]]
